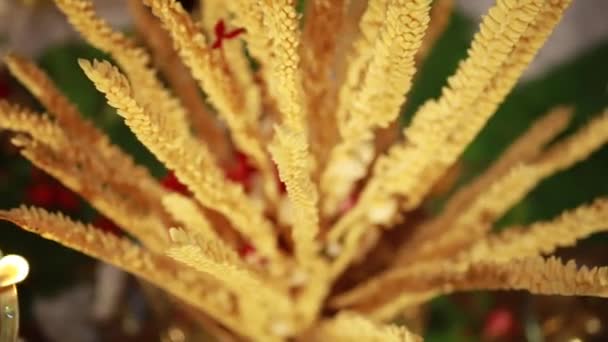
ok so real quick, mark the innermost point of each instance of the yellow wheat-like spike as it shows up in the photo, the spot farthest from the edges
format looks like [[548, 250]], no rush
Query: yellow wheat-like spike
[[41, 86], [321, 32], [191, 161], [441, 11], [534, 274], [509, 189], [232, 50], [238, 107], [515, 243], [502, 83], [185, 211], [504, 27], [53, 150], [75, 168], [524, 149], [290, 149], [177, 74], [87, 135], [400, 168], [239, 68], [362, 51], [20, 119], [542, 237], [249, 14], [134, 60], [378, 100], [532, 39], [184, 283], [261, 301], [499, 33], [349, 326]]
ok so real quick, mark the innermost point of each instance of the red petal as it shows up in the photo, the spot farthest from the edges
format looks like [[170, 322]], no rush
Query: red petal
[[170, 182], [106, 225], [67, 200], [499, 323], [41, 194], [234, 33]]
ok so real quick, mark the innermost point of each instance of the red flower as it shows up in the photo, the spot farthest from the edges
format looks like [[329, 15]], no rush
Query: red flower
[[66, 200], [106, 225], [500, 323], [221, 34], [170, 182], [46, 192], [241, 171], [4, 90], [40, 194]]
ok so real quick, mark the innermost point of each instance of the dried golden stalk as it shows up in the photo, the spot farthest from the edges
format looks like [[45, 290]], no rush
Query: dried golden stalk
[[19, 119], [134, 60], [542, 237], [88, 136], [191, 161], [185, 211], [477, 219], [533, 274], [429, 138], [512, 244], [235, 105], [213, 258], [53, 150], [75, 168], [290, 148], [184, 283], [167, 60], [525, 148], [377, 101]]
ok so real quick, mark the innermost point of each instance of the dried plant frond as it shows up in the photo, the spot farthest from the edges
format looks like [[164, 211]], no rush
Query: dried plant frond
[[378, 100], [81, 130], [214, 258], [290, 148], [19, 119], [507, 190], [190, 160], [39, 84], [183, 283], [534, 274], [214, 76], [398, 172], [178, 76], [75, 168], [348, 326], [542, 237], [185, 211], [316, 97], [134, 60], [260, 303], [525, 148]]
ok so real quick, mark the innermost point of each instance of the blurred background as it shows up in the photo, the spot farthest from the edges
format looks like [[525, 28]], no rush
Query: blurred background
[[69, 297]]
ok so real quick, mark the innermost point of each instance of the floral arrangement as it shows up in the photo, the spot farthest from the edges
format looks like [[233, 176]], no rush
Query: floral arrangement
[[288, 171]]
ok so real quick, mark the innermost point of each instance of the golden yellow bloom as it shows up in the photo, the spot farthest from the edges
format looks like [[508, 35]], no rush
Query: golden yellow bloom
[[326, 107]]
